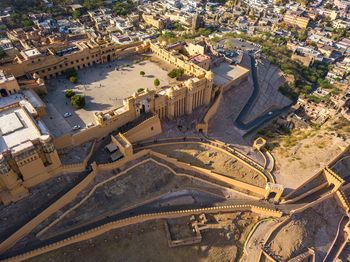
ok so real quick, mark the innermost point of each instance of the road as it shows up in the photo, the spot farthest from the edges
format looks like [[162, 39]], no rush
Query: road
[[250, 126]]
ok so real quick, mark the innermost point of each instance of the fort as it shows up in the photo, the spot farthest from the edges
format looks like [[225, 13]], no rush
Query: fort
[[133, 135], [37, 148]]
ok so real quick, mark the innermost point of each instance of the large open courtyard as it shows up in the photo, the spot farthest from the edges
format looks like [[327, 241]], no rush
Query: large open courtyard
[[104, 87]]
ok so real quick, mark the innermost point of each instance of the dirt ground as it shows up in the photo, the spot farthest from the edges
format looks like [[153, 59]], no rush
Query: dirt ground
[[315, 227], [214, 160], [142, 183], [148, 242], [302, 153], [16, 214], [76, 154]]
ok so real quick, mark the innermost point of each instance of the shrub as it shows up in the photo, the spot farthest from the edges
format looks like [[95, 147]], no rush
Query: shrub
[[73, 79], [142, 73], [2, 53], [71, 72], [156, 82], [176, 73], [140, 90], [69, 93], [77, 101]]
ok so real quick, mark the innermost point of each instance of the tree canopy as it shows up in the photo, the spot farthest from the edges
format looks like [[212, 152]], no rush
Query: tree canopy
[[92, 4], [123, 8], [78, 101], [2, 53]]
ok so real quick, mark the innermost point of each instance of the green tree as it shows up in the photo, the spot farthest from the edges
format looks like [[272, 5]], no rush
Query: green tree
[[69, 93], [77, 101], [73, 79], [75, 14], [2, 53], [142, 73], [176, 73], [156, 82], [123, 8], [92, 4], [71, 72]]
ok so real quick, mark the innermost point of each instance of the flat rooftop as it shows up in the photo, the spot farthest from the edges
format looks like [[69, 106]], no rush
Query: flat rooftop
[[225, 73], [31, 52], [17, 129], [27, 98]]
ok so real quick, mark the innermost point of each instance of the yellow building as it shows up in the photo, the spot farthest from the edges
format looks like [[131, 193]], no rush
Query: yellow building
[[156, 21], [27, 153], [8, 84], [296, 20], [57, 58]]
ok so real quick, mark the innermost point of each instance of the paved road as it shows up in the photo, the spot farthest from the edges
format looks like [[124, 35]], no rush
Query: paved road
[[250, 103]]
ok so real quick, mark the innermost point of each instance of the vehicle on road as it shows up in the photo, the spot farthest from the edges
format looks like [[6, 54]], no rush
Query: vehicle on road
[[67, 114], [76, 127]]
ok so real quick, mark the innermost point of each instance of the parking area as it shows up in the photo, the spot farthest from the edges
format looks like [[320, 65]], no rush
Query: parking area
[[104, 87]]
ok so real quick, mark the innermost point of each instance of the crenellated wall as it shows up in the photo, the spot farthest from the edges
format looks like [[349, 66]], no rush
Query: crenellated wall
[[140, 219], [147, 129]]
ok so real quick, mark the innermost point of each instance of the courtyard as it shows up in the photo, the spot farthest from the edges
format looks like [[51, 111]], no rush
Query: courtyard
[[104, 87]]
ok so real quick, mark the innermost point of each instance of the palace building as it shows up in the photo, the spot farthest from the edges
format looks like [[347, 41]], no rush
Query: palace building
[[28, 152]]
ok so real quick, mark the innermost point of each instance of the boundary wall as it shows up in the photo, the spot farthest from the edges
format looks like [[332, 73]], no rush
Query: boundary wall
[[148, 128], [75, 168], [140, 219], [217, 146], [204, 124], [343, 201], [212, 175], [331, 163], [61, 202], [70, 195]]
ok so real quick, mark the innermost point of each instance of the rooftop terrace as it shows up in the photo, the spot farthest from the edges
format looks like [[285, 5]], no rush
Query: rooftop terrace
[[18, 129]]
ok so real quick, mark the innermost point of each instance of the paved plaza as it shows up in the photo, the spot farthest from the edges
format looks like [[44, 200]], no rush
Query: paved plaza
[[104, 87]]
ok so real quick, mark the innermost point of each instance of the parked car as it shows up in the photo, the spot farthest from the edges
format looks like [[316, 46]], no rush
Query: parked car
[[76, 127], [67, 114]]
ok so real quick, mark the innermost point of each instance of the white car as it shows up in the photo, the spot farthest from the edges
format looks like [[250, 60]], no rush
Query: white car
[[76, 127], [270, 113], [67, 114]]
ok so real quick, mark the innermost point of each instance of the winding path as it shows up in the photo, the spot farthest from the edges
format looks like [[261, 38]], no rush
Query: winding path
[[250, 103]]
